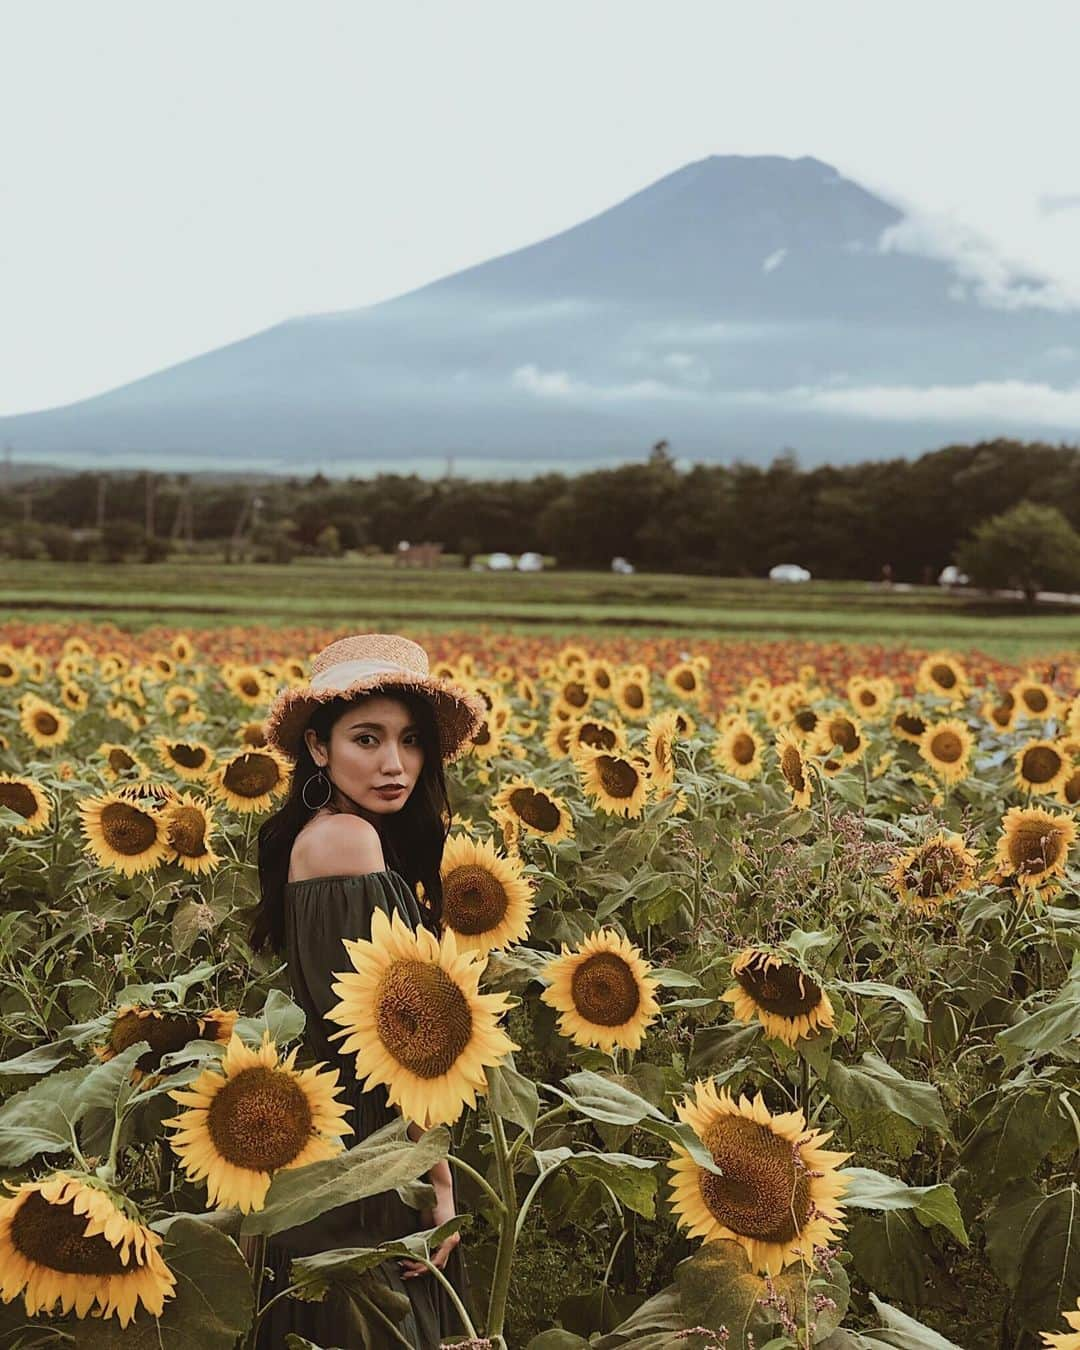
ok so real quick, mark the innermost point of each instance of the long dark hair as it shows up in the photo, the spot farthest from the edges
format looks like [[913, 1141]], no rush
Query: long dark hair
[[412, 838]]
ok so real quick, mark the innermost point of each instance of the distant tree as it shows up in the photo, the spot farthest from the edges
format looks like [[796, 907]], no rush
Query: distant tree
[[1029, 547], [328, 542], [119, 538]]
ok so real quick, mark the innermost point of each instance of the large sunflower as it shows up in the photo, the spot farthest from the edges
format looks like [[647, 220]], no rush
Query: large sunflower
[[944, 675], [1001, 712], [594, 733], [870, 698], [44, 723], [935, 870], [68, 1239], [1034, 698], [616, 782], [1034, 845], [1064, 1340], [487, 902], [908, 724], [840, 735], [660, 736], [121, 834], [248, 683], [794, 768], [946, 747], [411, 1010], [254, 1118], [121, 764], [780, 1193], [684, 680], [190, 760], [537, 811], [738, 750], [789, 1003], [602, 991], [188, 825], [26, 799], [1041, 767], [165, 1030], [631, 696], [251, 780]]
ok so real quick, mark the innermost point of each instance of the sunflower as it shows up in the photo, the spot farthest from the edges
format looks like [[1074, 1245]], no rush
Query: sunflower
[[74, 696], [26, 799], [780, 1193], [870, 698], [660, 736], [794, 768], [1041, 767], [788, 1002], [123, 835], [526, 691], [946, 747], [1064, 1340], [120, 763], [738, 750], [131, 687], [190, 760], [684, 680], [908, 724], [411, 1009], [123, 712], [1068, 793], [10, 666], [181, 701], [572, 654], [188, 825], [616, 782], [1001, 712], [45, 724], [254, 1118], [1034, 698], [576, 692], [536, 810], [1034, 845], [944, 675], [165, 1030], [602, 992], [488, 740], [839, 733], [685, 725], [251, 780], [601, 677], [593, 733], [933, 871], [68, 1239], [112, 665], [182, 647], [631, 696], [504, 673], [148, 794], [882, 764], [486, 900], [252, 735], [804, 723]]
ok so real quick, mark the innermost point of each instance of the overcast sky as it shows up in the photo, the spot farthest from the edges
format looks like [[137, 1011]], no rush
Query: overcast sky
[[176, 176]]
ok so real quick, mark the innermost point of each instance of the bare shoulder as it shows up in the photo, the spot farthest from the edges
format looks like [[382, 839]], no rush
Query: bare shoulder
[[336, 845]]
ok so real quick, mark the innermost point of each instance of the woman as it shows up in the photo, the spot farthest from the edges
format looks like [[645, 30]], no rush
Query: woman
[[365, 821]]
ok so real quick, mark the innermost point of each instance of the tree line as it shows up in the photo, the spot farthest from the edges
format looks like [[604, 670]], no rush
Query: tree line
[[841, 521]]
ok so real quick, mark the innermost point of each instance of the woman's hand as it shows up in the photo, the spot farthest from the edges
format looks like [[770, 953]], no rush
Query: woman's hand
[[433, 1218]]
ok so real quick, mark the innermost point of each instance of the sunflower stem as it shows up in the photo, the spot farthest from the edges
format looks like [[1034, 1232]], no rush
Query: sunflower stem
[[804, 1087], [482, 1181], [258, 1266], [504, 1260]]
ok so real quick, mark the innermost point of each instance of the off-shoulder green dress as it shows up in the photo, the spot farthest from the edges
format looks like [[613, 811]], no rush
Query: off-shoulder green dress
[[319, 913]]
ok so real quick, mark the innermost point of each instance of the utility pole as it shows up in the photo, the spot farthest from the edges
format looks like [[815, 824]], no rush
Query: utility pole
[[102, 484], [149, 504]]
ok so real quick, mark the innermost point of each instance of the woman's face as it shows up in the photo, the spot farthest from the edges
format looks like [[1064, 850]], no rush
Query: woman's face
[[373, 744]]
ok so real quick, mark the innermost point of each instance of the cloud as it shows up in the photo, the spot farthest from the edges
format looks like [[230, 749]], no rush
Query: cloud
[[559, 384], [567, 308], [995, 282], [998, 401], [774, 260], [688, 367], [1050, 203]]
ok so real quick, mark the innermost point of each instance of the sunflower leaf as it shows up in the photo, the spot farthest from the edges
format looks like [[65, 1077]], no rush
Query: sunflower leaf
[[1054, 1029], [914, 1013], [872, 1085], [512, 1096], [1033, 1242], [40, 1060], [932, 1204]]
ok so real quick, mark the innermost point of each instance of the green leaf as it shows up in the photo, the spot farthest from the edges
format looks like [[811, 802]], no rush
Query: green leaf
[[558, 1339], [716, 1047], [42, 1118], [1033, 1242], [873, 1085], [674, 979], [315, 1274], [632, 1180], [513, 1097], [284, 1020], [213, 1302], [381, 1162], [893, 1253], [932, 1204], [1054, 1029], [1018, 1130], [914, 1013], [41, 1059]]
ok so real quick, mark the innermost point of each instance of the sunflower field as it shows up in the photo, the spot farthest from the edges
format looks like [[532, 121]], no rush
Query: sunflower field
[[754, 1023]]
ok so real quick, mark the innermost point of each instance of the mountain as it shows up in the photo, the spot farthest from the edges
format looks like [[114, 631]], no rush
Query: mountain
[[738, 306]]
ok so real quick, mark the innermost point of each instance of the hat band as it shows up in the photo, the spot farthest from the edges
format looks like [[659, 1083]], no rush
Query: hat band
[[347, 672]]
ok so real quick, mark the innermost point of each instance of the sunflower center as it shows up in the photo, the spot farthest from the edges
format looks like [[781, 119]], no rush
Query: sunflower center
[[618, 777], [120, 760], [686, 680], [188, 756], [422, 1017], [260, 1119], [791, 766], [634, 695], [943, 675], [936, 869], [126, 829], [605, 990], [253, 734], [867, 698], [535, 809], [843, 733], [168, 1033], [742, 748], [250, 686], [251, 775], [575, 694], [18, 797], [806, 719], [1036, 699], [53, 1236], [483, 736], [474, 900], [1040, 764], [782, 989], [914, 726], [593, 734], [947, 747], [46, 723], [1034, 846], [187, 831], [1072, 788], [1001, 714], [763, 1193]]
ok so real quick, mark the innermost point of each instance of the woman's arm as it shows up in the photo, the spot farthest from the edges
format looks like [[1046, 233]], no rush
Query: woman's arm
[[442, 1180]]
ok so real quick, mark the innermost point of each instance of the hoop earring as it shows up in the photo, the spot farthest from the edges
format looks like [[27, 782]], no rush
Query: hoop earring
[[313, 779]]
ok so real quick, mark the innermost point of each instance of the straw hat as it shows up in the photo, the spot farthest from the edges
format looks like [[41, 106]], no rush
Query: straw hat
[[363, 664]]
